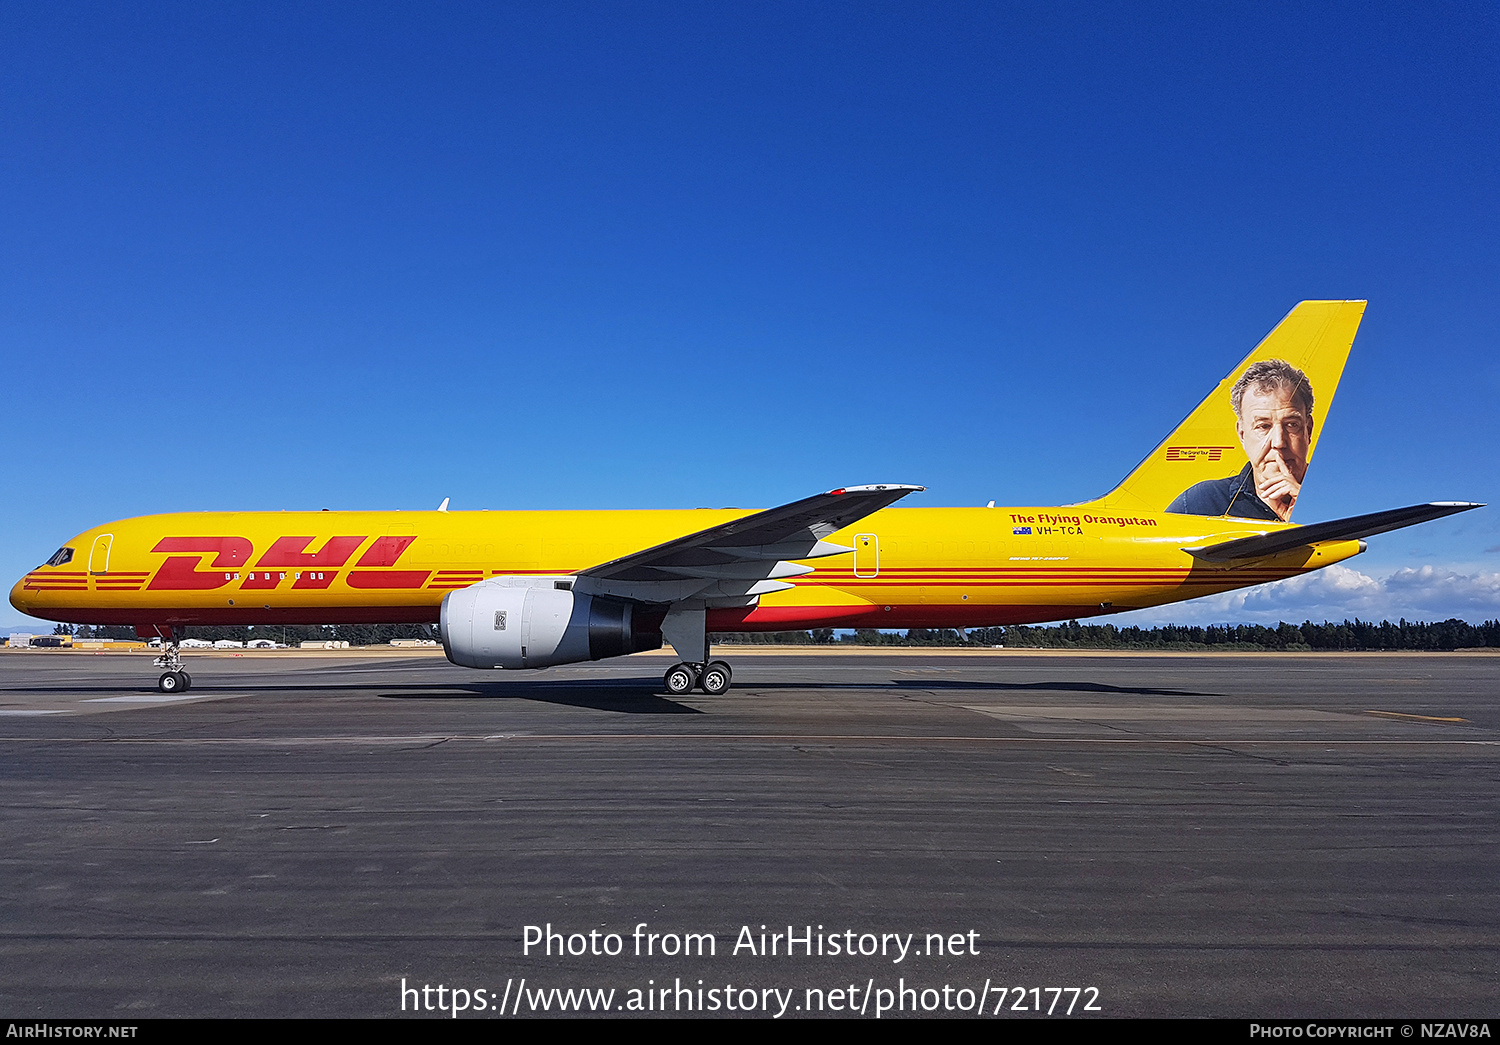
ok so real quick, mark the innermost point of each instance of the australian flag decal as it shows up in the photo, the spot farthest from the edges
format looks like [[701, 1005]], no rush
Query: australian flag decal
[[1021, 530]]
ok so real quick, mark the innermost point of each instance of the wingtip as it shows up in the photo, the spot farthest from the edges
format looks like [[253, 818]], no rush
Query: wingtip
[[874, 487]]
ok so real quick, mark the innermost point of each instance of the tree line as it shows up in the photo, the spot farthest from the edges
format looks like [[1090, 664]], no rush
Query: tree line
[[1349, 635]]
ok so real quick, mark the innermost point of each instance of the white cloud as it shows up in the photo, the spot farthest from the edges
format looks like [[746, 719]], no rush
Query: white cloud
[[1435, 586], [1339, 592]]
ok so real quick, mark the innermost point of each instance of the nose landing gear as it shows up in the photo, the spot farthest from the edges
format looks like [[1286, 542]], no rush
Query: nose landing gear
[[174, 679]]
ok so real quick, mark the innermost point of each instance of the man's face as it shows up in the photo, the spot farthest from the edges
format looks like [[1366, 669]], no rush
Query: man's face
[[1276, 432]]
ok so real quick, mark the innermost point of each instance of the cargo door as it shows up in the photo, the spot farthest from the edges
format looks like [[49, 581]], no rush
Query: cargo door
[[866, 555]]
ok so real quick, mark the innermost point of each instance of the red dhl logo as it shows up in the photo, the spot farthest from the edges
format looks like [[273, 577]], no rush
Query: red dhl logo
[[1196, 453], [314, 570]]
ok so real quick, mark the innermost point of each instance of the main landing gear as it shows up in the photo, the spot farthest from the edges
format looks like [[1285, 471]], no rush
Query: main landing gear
[[686, 628], [713, 678], [174, 679]]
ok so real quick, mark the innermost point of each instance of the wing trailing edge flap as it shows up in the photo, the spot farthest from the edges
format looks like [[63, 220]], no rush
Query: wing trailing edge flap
[[1353, 528], [736, 562]]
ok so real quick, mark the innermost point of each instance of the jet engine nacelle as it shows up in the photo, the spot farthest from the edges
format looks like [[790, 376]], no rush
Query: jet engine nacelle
[[496, 625]]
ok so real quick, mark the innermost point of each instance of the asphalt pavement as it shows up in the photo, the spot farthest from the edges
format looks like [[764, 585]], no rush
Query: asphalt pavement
[[342, 834]]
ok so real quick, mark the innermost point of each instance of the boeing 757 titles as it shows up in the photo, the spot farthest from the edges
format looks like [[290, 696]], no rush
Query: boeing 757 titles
[[1208, 511]]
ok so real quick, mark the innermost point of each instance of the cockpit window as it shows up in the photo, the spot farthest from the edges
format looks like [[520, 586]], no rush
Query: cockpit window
[[61, 556]]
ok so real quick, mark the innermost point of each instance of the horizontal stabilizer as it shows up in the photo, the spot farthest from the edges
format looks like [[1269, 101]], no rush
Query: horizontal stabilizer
[[1350, 529]]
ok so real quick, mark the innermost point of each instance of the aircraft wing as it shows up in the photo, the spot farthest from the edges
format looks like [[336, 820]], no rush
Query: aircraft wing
[[1335, 530], [734, 562]]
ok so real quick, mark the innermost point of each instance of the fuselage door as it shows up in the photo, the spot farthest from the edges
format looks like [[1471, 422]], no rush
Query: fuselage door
[[866, 555], [99, 554]]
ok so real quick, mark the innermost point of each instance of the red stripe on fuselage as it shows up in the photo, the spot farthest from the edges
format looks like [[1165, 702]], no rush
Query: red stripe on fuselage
[[376, 579]]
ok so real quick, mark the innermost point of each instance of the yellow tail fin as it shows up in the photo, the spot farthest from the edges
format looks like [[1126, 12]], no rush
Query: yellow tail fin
[[1245, 449]]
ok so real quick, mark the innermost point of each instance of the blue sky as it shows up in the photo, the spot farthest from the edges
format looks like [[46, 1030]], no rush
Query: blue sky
[[668, 255]]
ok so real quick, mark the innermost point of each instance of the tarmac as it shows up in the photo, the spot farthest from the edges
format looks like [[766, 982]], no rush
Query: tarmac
[[327, 834]]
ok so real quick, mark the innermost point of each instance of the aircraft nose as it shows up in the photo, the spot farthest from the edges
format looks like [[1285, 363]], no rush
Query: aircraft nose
[[18, 597]]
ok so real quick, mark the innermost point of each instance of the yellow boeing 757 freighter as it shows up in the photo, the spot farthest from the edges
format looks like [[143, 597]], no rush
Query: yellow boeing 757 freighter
[[1209, 510]]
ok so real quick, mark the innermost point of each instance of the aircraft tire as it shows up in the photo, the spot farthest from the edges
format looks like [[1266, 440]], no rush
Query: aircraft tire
[[187, 680], [679, 679], [169, 682], [716, 678]]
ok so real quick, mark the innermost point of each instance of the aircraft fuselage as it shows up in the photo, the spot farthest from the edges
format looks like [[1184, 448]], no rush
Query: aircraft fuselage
[[910, 567]]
